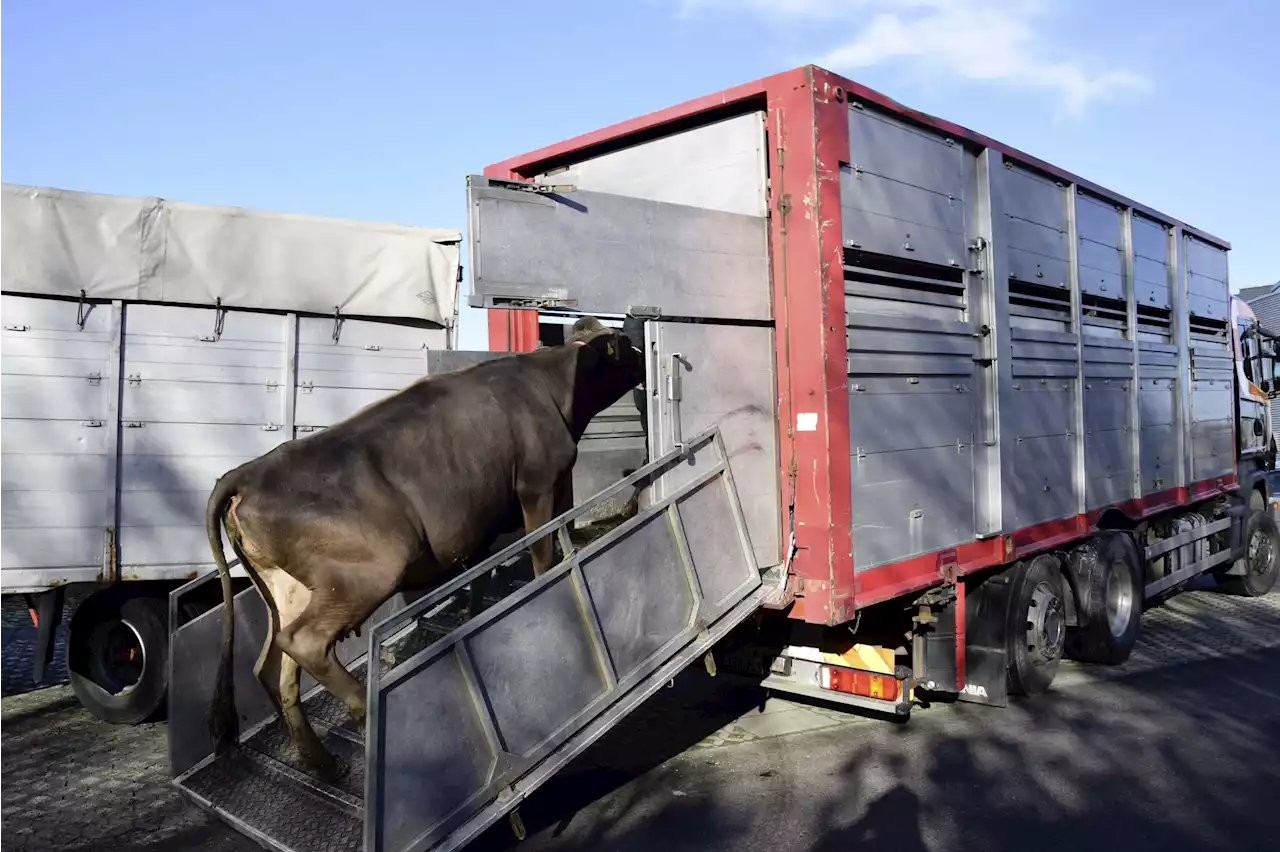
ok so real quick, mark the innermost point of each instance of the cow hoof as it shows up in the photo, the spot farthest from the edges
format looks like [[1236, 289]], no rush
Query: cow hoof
[[332, 770]]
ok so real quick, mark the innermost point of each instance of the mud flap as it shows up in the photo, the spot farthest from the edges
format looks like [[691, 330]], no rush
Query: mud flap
[[46, 614], [986, 657], [937, 670]]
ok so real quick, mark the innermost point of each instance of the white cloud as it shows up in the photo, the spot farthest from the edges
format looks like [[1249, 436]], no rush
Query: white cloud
[[985, 41]]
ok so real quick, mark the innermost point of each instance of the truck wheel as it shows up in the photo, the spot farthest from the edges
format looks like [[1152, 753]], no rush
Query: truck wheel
[[1113, 609], [118, 656], [1262, 558], [1037, 625]]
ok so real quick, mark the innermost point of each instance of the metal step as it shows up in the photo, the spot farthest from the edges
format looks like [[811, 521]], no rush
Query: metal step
[[273, 806], [273, 742], [265, 791]]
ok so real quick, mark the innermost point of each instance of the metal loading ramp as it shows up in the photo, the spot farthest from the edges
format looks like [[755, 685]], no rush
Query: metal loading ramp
[[467, 717]]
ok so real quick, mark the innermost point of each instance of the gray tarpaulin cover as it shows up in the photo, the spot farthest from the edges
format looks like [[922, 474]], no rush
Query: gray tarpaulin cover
[[59, 242]]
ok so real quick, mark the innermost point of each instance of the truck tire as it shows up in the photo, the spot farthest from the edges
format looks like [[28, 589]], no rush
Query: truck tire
[[118, 656], [1113, 608], [1037, 625], [1262, 558]]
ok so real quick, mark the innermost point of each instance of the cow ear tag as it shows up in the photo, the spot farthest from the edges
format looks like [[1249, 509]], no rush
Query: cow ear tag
[[612, 349]]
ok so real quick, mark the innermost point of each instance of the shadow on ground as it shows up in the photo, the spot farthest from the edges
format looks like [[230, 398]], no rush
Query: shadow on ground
[[1170, 756], [1181, 758]]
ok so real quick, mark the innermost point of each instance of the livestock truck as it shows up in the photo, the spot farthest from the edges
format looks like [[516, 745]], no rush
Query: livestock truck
[[967, 396], [923, 414], [148, 347]]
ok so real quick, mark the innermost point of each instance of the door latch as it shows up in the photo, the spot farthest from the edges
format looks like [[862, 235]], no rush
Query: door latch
[[673, 395]]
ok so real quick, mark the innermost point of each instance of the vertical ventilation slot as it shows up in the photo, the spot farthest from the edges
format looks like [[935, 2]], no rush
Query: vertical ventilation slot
[[1103, 317], [884, 285], [1155, 325], [1044, 308], [1208, 330]]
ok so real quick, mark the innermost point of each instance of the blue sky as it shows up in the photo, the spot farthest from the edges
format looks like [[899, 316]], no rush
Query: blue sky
[[315, 108]]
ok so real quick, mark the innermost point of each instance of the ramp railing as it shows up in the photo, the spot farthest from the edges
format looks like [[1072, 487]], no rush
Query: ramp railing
[[474, 715]]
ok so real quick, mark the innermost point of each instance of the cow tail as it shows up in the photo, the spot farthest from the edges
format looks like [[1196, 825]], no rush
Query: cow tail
[[224, 722]]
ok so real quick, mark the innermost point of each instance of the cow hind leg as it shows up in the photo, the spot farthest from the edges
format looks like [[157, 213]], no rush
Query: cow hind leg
[[312, 640], [311, 750], [267, 669], [279, 673]]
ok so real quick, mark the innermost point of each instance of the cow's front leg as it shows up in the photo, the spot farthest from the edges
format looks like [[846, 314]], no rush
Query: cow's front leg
[[537, 509]]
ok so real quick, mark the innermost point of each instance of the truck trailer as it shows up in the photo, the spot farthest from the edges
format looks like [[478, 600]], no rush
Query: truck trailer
[[148, 347], [923, 414], [954, 380]]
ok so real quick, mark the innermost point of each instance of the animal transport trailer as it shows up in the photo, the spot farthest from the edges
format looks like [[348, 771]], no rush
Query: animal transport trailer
[[966, 394], [148, 347], [901, 379]]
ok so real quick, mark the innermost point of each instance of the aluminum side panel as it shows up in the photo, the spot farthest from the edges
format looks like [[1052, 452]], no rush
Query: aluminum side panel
[[726, 379], [58, 433], [585, 250], [204, 391]]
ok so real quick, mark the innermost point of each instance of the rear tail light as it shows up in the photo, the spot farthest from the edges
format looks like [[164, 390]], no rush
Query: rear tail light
[[857, 682]]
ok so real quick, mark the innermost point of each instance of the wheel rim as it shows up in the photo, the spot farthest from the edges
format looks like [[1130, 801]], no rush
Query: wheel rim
[[1261, 552], [1046, 626], [1119, 599], [118, 657]]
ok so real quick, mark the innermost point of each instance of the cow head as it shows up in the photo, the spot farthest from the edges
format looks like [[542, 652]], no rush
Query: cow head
[[608, 365]]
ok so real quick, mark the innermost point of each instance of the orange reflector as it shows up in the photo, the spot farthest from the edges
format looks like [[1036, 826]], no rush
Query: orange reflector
[[857, 682]]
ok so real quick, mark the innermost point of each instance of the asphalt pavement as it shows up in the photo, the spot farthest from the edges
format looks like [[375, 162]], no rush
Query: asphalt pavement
[[1176, 750]]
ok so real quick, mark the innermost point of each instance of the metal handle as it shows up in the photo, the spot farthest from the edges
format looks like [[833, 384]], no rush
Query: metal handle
[[673, 395]]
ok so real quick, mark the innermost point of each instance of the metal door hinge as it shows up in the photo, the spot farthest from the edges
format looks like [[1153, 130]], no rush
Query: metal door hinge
[[271, 385], [948, 567], [308, 428], [521, 186], [134, 424], [373, 347], [271, 427], [17, 328], [94, 378], [92, 424], [307, 387], [134, 379]]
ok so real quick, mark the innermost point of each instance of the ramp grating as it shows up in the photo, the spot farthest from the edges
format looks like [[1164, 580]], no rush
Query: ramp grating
[[263, 790], [274, 808]]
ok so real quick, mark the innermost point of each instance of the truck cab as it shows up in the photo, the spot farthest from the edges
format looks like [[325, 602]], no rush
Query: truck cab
[[1257, 382]]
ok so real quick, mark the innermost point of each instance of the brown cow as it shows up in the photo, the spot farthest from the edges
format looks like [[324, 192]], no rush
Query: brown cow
[[401, 495]]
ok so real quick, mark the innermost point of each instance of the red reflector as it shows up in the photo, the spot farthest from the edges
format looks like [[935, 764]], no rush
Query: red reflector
[[857, 682]]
